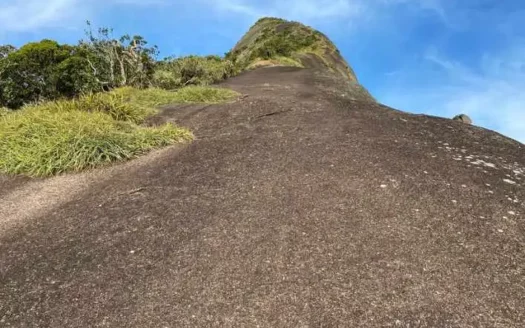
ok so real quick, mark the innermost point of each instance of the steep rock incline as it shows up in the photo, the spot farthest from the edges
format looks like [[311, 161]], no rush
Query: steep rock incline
[[295, 206], [274, 40]]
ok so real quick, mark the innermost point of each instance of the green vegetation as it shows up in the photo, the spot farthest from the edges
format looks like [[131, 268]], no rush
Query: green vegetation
[[47, 70], [61, 136], [277, 61], [173, 73], [4, 111], [70, 135], [274, 39], [154, 97]]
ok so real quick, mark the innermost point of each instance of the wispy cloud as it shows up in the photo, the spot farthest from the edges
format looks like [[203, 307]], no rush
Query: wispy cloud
[[18, 16], [30, 15], [311, 10], [489, 90], [492, 94]]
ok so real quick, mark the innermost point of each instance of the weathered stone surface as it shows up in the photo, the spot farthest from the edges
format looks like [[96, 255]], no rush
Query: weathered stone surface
[[295, 206]]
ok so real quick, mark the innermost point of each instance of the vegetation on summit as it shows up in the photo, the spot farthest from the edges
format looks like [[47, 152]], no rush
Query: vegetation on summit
[[289, 44], [67, 107]]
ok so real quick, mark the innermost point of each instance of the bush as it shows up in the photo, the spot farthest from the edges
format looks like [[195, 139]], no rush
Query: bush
[[47, 70], [47, 139], [192, 70], [30, 73], [283, 43]]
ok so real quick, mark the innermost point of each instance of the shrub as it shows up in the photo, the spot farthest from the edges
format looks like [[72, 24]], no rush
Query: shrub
[[47, 70], [29, 73], [192, 70]]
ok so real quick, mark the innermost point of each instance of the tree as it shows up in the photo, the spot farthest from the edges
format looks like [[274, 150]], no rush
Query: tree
[[118, 62], [6, 50], [49, 70], [29, 73]]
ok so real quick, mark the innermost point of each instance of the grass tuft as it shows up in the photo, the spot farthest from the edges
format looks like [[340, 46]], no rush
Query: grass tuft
[[4, 111], [53, 137], [154, 97], [278, 61], [111, 103], [40, 142]]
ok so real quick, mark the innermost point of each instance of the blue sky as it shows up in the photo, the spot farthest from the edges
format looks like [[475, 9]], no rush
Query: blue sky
[[439, 57]]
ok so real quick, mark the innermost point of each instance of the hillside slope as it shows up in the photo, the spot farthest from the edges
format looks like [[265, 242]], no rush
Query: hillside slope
[[274, 41], [296, 206]]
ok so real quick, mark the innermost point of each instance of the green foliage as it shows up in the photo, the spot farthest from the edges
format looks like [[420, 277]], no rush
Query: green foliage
[[5, 50], [174, 73], [111, 103], [116, 62], [51, 137], [30, 73], [55, 137], [74, 77], [273, 39], [277, 61], [273, 43], [203, 94], [153, 97], [47, 70]]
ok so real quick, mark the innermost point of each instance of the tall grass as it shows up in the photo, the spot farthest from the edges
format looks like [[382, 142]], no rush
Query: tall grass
[[4, 111], [111, 103], [52, 137], [153, 97], [39, 142], [278, 61]]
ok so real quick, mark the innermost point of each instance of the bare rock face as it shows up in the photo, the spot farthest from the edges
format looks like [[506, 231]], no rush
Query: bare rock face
[[463, 118], [303, 203]]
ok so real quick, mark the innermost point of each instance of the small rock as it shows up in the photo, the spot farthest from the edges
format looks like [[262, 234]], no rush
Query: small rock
[[462, 118]]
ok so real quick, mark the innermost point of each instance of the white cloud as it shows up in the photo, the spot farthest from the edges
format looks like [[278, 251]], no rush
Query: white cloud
[[490, 90], [314, 10], [27, 15], [494, 95], [31, 15]]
